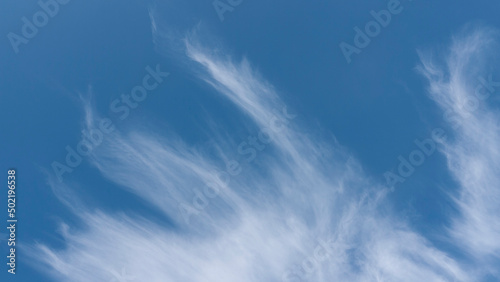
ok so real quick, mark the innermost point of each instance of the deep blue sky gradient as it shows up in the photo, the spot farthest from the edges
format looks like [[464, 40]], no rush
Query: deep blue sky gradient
[[376, 106]]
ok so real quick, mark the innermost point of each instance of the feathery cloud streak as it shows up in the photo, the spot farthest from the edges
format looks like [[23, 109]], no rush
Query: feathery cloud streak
[[464, 87], [306, 212]]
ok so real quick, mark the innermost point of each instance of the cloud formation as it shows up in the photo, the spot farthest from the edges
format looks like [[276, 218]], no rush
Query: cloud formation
[[305, 211], [464, 87]]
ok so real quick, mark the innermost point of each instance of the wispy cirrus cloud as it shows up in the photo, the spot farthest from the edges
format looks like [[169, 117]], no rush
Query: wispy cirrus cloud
[[464, 86], [305, 212]]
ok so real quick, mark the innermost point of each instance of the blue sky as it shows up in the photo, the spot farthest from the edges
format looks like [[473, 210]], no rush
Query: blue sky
[[264, 134]]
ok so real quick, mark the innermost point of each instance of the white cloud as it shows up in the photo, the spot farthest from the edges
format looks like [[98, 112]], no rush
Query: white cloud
[[272, 222], [460, 86]]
